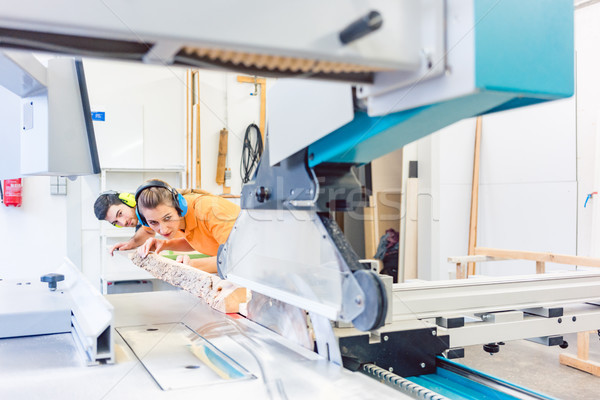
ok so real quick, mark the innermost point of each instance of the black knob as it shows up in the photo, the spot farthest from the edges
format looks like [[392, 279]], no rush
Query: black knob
[[262, 194], [491, 348], [52, 280], [361, 27]]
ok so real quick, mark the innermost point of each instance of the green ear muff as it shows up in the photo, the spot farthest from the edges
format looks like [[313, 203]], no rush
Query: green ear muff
[[127, 199]]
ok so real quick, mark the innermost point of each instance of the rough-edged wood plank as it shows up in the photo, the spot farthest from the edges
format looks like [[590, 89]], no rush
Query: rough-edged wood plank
[[220, 294]]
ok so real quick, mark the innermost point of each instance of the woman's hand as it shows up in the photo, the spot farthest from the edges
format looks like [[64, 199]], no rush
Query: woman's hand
[[151, 244], [184, 259]]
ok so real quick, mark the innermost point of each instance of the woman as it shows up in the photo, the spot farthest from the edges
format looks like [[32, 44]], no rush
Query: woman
[[205, 221]]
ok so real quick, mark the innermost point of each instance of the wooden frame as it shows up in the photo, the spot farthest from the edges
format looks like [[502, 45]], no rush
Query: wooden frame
[[581, 361], [488, 254]]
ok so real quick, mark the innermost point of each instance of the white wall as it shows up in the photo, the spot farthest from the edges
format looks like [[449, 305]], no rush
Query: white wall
[[587, 42], [225, 103], [10, 118], [145, 117], [33, 235], [527, 193], [538, 165]]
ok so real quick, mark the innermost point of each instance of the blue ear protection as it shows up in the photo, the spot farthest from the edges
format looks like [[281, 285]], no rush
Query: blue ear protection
[[178, 200]]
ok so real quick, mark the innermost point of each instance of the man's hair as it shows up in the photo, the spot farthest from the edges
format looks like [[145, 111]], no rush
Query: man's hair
[[103, 203]]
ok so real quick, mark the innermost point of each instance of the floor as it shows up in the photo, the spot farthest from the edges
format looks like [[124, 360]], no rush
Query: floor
[[536, 367]]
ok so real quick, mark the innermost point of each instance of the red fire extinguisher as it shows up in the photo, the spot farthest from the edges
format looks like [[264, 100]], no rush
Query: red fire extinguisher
[[13, 192]]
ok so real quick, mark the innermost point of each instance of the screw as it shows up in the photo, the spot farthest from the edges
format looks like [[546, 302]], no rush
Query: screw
[[262, 194], [391, 369], [574, 319], [385, 338], [358, 300], [434, 333], [560, 320], [423, 365], [192, 366], [311, 156]]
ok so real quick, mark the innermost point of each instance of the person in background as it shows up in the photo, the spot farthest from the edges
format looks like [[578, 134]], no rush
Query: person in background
[[204, 220], [118, 209]]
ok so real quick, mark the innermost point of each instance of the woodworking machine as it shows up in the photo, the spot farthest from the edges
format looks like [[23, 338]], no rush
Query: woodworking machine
[[382, 74]]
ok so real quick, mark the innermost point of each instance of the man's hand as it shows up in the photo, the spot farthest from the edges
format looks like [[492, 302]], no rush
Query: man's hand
[[122, 246], [183, 258], [151, 244]]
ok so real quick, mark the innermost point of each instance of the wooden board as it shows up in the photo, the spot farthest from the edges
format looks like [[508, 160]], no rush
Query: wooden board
[[411, 249], [387, 211], [222, 157], [220, 294], [370, 239]]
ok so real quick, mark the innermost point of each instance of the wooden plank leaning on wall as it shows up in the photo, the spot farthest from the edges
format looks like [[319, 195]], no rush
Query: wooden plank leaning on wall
[[197, 132], [474, 197], [193, 172], [188, 126]]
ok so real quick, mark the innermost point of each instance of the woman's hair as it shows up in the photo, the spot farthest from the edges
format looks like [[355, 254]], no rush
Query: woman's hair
[[152, 197]]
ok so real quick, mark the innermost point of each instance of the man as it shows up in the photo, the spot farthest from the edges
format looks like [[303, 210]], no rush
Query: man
[[118, 209]]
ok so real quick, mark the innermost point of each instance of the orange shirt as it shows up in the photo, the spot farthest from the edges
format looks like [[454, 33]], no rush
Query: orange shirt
[[208, 221]]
